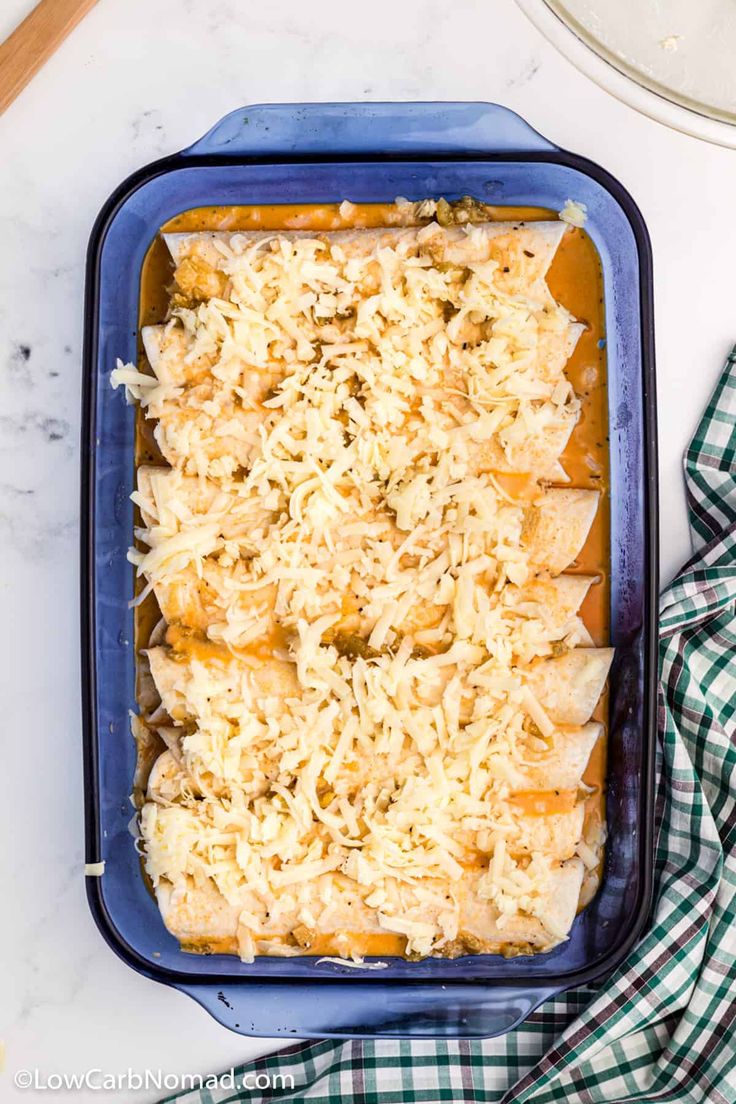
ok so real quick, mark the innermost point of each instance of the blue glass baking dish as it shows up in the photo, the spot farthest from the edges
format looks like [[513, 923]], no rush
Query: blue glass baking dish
[[367, 152]]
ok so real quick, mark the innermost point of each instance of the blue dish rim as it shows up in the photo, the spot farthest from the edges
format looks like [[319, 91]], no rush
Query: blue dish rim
[[113, 937]]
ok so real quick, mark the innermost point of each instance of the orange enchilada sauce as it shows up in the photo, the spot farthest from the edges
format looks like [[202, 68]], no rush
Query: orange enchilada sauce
[[575, 280]]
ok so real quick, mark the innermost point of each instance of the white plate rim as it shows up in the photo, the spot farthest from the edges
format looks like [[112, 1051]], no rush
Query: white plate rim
[[618, 84]]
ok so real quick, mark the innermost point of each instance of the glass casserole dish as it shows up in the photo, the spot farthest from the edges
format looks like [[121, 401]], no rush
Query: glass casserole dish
[[368, 153]]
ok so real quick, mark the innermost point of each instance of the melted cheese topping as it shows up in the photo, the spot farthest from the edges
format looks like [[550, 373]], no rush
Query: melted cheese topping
[[352, 598]]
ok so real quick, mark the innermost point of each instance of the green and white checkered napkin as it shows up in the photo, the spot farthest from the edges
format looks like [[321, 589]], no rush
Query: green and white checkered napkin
[[662, 1027]]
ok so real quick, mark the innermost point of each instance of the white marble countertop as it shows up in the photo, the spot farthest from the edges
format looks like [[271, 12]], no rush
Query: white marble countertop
[[134, 81]]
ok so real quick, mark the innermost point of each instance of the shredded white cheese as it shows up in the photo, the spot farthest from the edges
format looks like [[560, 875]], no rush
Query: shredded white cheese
[[574, 213], [342, 689], [353, 965]]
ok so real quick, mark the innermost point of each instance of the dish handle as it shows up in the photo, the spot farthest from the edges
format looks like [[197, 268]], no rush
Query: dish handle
[[362, 1009], [369, 128]]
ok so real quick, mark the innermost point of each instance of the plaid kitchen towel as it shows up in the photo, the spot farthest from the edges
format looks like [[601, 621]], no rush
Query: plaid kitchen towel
[[662, 1027]]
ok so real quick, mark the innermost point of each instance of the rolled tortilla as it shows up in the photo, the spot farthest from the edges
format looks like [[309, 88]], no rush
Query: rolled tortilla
[[527, 248], [560, 770], [556, 474], [198, 914], [556, 348], [200, 917], [210, 444], [168, 780], [569, 686], [202, 422], [536, 454], [554, 912], [167, 349], [563, 767], [173, 357], [556, 601], [557, 525], [523, 253], [256, 686], [170, 501], [555, 834], [168, 678], [201, 600]]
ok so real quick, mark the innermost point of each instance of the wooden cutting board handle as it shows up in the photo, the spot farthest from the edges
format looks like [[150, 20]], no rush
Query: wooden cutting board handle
[[33, 42]]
